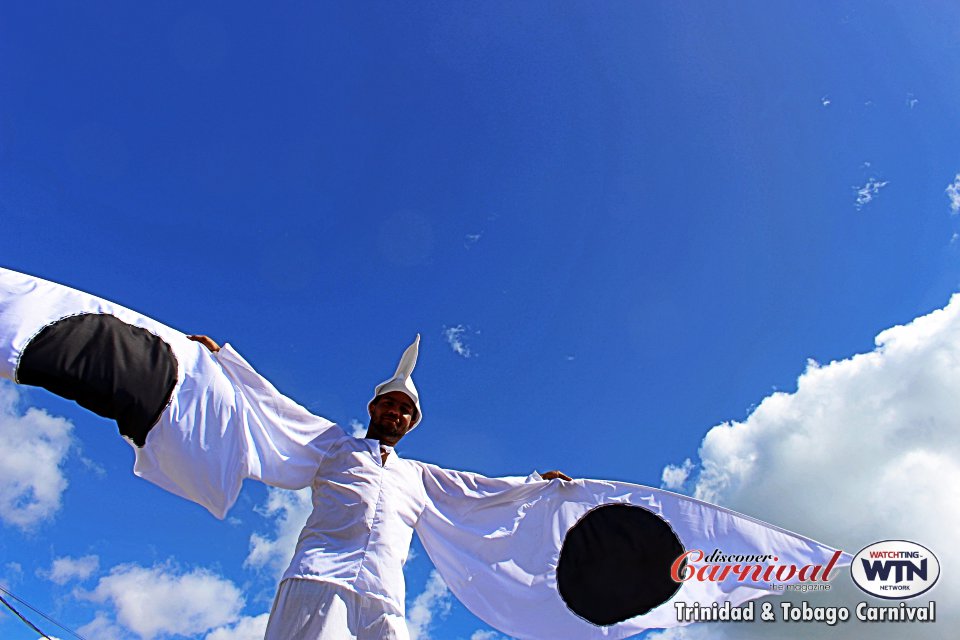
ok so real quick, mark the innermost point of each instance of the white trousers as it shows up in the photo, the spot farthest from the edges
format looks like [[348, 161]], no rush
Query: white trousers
[[314, 610]]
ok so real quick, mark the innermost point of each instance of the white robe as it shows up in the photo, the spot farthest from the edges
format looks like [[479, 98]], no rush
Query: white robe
[[496, 542]]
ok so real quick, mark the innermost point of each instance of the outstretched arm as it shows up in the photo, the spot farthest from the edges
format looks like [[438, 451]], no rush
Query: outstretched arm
[[550, 475]]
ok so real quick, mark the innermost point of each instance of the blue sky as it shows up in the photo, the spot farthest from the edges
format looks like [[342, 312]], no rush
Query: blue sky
[[634, 221]]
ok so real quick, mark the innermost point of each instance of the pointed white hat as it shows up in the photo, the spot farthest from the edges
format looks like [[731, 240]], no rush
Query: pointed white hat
[[402, 380]]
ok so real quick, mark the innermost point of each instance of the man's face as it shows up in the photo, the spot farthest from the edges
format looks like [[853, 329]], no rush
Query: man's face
[[391, 415]]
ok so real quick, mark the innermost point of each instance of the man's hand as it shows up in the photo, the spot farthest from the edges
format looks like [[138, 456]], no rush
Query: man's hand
[[550, 475], [207, 342]]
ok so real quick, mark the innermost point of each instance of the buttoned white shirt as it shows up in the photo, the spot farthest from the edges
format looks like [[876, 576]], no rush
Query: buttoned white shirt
[[364, 511]]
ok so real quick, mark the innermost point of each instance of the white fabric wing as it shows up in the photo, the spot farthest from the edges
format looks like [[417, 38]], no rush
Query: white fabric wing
[[223, 423], [497, 544]]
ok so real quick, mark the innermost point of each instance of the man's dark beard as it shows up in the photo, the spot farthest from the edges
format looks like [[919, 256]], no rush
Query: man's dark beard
[[387, 428]]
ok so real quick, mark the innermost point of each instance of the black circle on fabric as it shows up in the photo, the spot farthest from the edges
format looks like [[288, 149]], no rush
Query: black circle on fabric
[[615, 563], [107, 366]]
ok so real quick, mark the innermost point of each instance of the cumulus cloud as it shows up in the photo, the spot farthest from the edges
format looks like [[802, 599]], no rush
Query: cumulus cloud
[[674, 476], [454, 338], [867, 448], [66, 569], [33, 448], [869, 191], [161, 600], [433, 602], [953, 192], [288, 511], [248, 628]]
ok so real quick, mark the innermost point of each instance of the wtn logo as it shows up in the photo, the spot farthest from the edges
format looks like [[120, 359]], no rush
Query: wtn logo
[[903, 569], [895, 569]]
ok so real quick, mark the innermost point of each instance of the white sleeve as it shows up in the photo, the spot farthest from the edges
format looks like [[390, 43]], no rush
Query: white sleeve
[[477, 531], [507, 548], [285, 443], [226, 423]]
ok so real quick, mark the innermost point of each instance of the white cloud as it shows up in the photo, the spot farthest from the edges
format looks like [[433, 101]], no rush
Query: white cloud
[[92, 466], [825, 101], [869, 191], [13, 568], [102, 628], [454, 337], [867, 448], [953, 192], [434, 601], [694, 632], [12, 574], [357, 428], [65, 569], [289, 511], [33, 448], [248, 628], [471, 239], [674, 476], [483, 634], [160, 600]]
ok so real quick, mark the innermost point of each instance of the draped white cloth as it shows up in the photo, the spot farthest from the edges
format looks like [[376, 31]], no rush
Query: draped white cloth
[[224, 422], [497, 542]]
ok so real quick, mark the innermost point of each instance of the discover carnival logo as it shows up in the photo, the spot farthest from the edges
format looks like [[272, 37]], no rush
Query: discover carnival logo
[[895, 569], [718, 566]]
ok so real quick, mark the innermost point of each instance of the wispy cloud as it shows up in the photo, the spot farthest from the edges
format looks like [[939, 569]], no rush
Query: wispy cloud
[[12, 573], [67, 569], [825, 101], [357, 428], [102, 627], [869, 191], [471, 239], [433, 602], [455, 338], [486, 634], [33, 449], [953, 192]]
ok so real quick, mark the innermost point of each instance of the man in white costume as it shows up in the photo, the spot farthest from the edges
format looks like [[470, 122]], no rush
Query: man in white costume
[[536, 557], [346, 576]]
